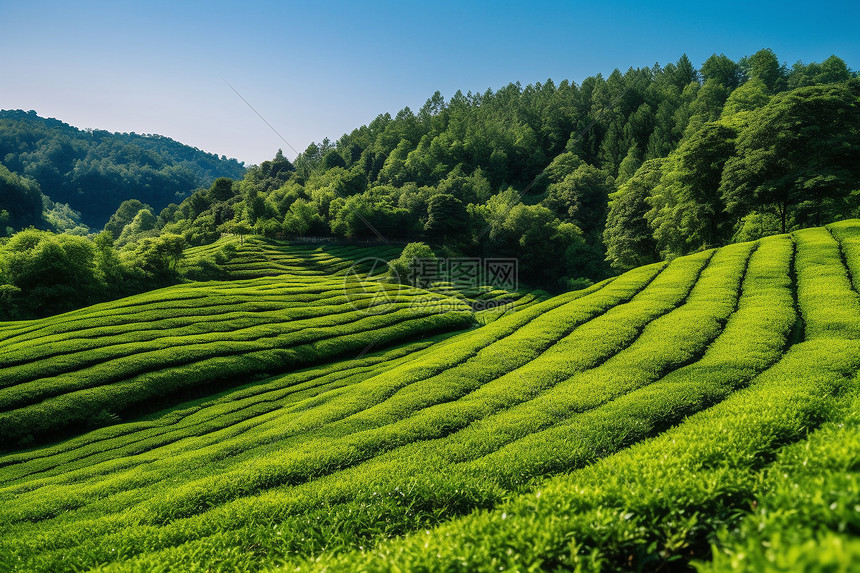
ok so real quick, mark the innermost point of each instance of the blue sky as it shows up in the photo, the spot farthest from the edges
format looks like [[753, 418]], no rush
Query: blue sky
[[316, 70]]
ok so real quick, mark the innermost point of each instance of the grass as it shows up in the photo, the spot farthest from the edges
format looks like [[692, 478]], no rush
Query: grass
[[701, 413]]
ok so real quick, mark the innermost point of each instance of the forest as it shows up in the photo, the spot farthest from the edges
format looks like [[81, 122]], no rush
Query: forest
[[579, 182], [85, 174]]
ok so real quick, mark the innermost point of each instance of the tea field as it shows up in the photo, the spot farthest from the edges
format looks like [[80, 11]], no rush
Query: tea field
[[702, 413]]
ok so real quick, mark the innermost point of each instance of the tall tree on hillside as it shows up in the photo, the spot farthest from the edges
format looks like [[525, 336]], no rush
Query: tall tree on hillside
[[20, 200], [685, 72], [124, 215], [832, 70], [722, 70], [446, 218], [628, 239], [765, 66], [709, 103], [750, 96], [221, 189], [57, 272], [801, 147], [581, 198], [698, 174]]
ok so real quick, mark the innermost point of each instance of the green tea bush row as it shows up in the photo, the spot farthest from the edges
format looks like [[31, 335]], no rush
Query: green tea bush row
[[806, 516], [848, 235], [142, 332], [99, 350], [206, 300], [831, 306], [201, 416], [176, 509], [402, 447], [83, 394], [177, 554], [501, 329], [652, 503], [626, 287]]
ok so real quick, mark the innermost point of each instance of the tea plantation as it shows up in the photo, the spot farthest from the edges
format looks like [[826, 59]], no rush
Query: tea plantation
[[702, 413]]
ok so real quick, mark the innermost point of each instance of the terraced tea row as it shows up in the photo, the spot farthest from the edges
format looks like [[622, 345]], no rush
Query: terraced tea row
[[319, 469], [256, 257], [658, 500], [265, 257], [102, 361]]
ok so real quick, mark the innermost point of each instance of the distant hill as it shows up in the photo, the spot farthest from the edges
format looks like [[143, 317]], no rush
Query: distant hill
[[95, 170]]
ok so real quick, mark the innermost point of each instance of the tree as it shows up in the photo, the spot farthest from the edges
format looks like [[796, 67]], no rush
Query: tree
[[158, 258], [764, 66], [684, 73], [143, 225], [561, 166], [801, 147], [255, 205], [272, 174], [627, 236], [709, 103], [63, 218], [582, 198], [446, 217], [698, 174], [468, 189], [108, 266], [369, 215], [124, 215], [631, 163], [831, 70], [750, 96], [53, 272], [546, 249], [242, 228], [722, 70], [5, 219], [669, 217], [303, 217], [333, 159], [20, 200], [221, 189], [407, 268]]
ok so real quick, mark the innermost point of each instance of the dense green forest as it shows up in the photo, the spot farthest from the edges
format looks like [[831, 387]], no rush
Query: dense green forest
[[91, 172], [576, 181]]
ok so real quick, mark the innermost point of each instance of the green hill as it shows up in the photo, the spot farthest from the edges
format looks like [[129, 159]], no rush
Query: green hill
[[94, 171], [91, 365], [256, 257], [702, 410]]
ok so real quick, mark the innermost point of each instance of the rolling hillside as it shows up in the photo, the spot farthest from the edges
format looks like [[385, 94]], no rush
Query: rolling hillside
[[89, 366], [704, 410], [94, 171], [256, 257]]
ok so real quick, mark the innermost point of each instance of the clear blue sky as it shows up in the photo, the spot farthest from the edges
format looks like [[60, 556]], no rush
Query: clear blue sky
[[316, 70]]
